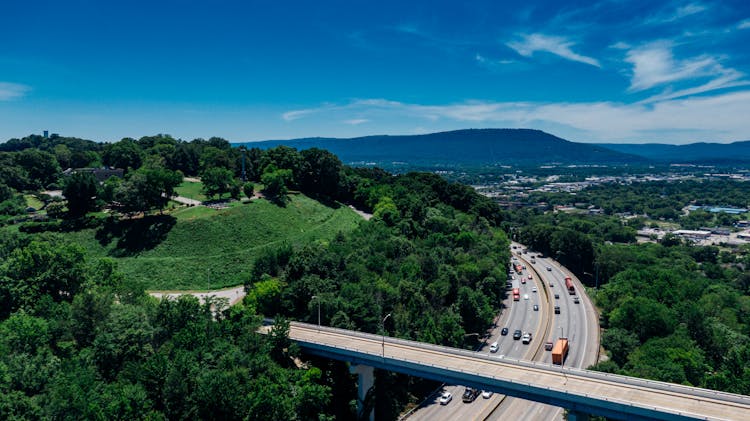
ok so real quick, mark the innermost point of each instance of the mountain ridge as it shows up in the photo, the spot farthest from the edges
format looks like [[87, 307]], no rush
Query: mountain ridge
[[467, 147], [698, 152]]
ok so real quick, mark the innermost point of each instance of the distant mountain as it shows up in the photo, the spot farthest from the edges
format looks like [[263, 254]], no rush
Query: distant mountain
[[709, 153], [473, 147]]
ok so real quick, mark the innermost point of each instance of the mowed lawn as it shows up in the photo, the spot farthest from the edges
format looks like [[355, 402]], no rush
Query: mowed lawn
[[216, 248]]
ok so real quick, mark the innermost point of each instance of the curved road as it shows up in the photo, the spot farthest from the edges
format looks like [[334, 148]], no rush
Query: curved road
[[578, 321], [521, 316]]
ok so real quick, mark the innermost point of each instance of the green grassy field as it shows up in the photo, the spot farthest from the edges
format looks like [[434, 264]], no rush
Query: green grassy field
[[191, 190], [33, 201], [194, 246]]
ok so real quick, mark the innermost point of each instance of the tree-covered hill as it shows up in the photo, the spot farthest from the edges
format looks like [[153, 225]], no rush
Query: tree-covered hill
[[462, 148], [701, 152], [81, 340]]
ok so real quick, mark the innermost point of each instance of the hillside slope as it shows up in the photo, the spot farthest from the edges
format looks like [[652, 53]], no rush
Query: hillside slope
[[460, 148], [198, 246]]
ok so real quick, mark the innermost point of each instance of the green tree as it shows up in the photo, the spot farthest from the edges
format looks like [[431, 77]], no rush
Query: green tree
[[81, 191], [216, 181], [42, 167], [248, 189], [275, 183], [124, 154]]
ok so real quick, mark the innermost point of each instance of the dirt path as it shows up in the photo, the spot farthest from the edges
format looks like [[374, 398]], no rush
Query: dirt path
[[186, 201], [234, 295], [361, 213]]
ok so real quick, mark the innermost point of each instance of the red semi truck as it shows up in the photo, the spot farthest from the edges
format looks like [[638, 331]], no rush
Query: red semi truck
[[569, 286]]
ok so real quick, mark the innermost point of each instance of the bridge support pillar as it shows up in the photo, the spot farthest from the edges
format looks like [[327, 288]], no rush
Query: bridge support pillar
[[365, 381], [577, 416]]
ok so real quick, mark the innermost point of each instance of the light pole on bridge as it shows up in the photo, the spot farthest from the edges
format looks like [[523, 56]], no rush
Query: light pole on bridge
[[315, 297], [382, 325]]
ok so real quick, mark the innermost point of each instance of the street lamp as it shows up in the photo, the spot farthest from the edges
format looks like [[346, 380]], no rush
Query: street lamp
[[315, 297], [382, 324]]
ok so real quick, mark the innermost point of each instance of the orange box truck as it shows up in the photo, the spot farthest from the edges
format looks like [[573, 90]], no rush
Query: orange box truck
[[560, 351]]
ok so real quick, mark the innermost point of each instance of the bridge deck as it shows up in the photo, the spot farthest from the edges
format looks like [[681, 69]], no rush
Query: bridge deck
[[586, 391]]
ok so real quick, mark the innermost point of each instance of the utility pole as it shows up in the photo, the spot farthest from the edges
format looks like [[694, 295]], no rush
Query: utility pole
[[242, 150], [315, 297], [382, 324]]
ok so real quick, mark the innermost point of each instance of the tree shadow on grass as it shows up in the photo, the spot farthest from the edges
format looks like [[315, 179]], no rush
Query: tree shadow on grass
[[135, 235]]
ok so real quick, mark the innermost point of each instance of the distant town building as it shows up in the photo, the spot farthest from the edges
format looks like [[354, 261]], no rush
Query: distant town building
[[717, 230], [46, 134], [693, 234]]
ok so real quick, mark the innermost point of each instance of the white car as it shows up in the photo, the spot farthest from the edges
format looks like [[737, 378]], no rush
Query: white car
[[445, 398], [526, 339], [486, 394], [525, 296], [533, 289], [494, 347]]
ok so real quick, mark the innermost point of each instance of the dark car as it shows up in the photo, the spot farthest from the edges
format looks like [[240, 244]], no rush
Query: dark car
[[517, 334], [470, 394], [504, 331], [557, 309], [557, 296], [536, 307], [548, 346]]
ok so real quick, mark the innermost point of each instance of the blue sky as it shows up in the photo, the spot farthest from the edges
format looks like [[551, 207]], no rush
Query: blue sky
[[588, 71]]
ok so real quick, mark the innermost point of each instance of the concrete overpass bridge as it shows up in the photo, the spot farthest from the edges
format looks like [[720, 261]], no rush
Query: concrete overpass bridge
[[580, 391]]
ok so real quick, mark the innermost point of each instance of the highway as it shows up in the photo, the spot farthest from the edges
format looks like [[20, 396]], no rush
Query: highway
[[587, 391], [519, 315], [577, 322], [575, 319]]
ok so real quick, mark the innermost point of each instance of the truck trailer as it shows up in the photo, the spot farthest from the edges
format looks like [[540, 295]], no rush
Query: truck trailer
[[569, 285], [560, 351]]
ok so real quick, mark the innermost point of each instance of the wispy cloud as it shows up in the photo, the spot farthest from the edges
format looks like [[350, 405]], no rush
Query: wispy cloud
[[560, 46], [356, 121], [674, 14], [720, 117], [745, 24], [654, 65], [10, 91], [687, 10], [491, 63]]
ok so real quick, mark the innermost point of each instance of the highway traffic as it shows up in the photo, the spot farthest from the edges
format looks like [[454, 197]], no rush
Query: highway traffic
[[576, 321], [541, 289]]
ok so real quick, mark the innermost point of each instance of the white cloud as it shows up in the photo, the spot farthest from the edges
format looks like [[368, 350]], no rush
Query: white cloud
[[745, 24], [356, 121], [687, 10], [9, 91], [718, 118], [531, 43], [673, 15], [654, 65], [491, 63]]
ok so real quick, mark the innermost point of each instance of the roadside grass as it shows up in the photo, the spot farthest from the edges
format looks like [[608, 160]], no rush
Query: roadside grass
[[33, 202], [196, 247]]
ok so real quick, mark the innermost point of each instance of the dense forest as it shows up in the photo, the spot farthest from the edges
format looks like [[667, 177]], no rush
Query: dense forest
[[81, 341], [677, 313], [671, 311]]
